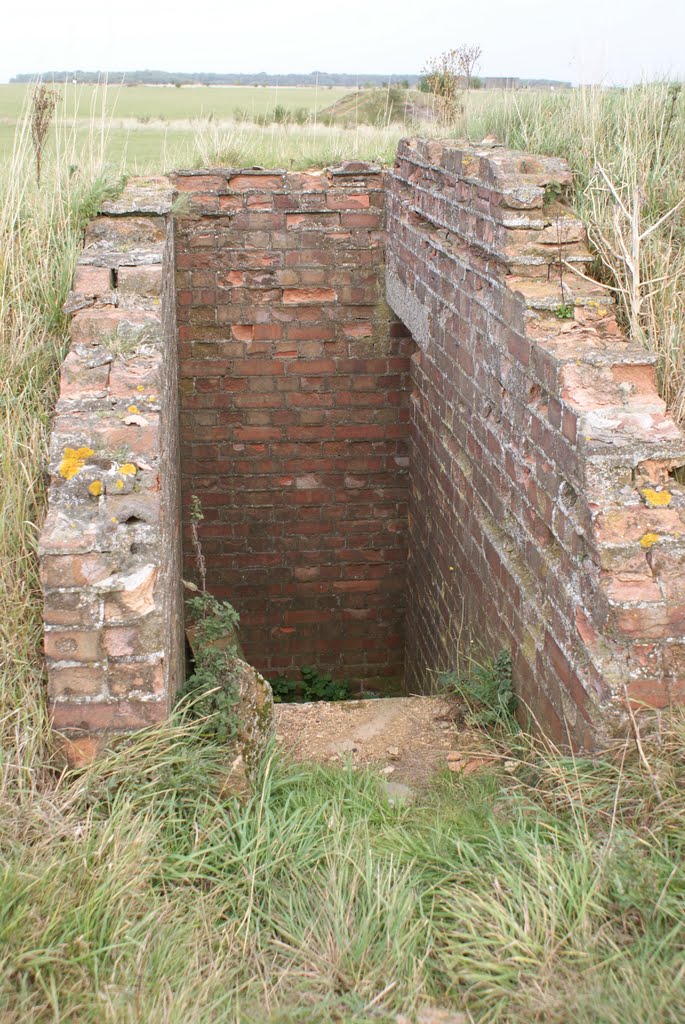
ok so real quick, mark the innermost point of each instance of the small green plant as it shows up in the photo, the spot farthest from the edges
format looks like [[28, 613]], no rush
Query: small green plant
[[283, 689], [564, 311], [322, 686], [486, 691], [314, 686], [552, 193]]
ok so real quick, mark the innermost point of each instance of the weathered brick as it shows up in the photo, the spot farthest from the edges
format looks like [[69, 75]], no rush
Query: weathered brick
[[301, 296], [144, 281], [110, 527], [73, 645]]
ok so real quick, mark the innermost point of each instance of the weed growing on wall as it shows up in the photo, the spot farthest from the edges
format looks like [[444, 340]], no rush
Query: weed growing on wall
[[196, 517], [211, 694], [486, 691], [313, 686]]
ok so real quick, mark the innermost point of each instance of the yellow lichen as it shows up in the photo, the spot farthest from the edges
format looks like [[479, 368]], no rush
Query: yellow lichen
[[656, 499], [73, 460], [648, 539], [119, 484], [140, 387], [133, 409], [128, 469], [95, 488]]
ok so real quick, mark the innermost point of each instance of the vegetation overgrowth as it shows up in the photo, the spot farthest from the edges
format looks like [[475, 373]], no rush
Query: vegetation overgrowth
[[542, 888]]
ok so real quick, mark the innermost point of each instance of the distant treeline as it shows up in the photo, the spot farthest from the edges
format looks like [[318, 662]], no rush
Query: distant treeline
[[321, 78]]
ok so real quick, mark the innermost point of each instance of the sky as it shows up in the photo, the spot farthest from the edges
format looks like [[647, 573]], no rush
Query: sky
[[609, 41]]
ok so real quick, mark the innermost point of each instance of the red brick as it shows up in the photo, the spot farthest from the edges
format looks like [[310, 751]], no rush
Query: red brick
[[259, 367], [301, 296], [200, 182], [73, 645], [360, 220], [76, 680], [351, 201], [255, 182], [92, 280], [115, 715]]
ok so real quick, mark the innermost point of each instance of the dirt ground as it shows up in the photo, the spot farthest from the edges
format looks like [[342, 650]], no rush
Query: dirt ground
[[409, 738]]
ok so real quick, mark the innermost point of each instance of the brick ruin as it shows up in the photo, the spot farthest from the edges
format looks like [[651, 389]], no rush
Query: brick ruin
[[294, 395], [411, 419]]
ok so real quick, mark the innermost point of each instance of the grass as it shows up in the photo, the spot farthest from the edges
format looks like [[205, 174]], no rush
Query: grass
[[161, 103], [543, 889]]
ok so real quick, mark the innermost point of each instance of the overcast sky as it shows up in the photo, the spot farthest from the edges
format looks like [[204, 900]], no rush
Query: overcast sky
[[614, 41]]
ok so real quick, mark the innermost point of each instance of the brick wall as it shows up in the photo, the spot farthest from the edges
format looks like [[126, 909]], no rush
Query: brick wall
[[294, 410], [110, 546], [544, 515], [512, 481]]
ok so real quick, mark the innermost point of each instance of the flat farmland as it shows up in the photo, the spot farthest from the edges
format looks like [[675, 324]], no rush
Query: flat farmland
[[167, 103], [159, 126]]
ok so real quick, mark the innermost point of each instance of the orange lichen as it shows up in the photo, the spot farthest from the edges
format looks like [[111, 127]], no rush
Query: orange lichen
[[73, 460], [95, 488], [648, 539], [656, 499]]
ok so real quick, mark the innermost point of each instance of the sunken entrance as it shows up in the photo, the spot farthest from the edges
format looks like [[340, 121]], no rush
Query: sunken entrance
[[294, 407], [411, 419]]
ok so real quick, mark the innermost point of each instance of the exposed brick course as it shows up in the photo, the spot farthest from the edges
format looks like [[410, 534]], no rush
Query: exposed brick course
[[294, 414]]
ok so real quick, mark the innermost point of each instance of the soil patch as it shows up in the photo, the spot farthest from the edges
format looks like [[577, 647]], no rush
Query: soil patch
[[408, 738]]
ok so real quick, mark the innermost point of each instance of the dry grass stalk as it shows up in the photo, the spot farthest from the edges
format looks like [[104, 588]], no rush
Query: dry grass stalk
[[43, 106]]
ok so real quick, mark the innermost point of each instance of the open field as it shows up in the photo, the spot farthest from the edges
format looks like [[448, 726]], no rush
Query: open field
[[544, 889], [152, 124], [166, 103]]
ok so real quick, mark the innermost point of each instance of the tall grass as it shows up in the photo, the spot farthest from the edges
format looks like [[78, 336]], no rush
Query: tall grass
[[41, 232], [637, 137], [543, 889], [292, 146]]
